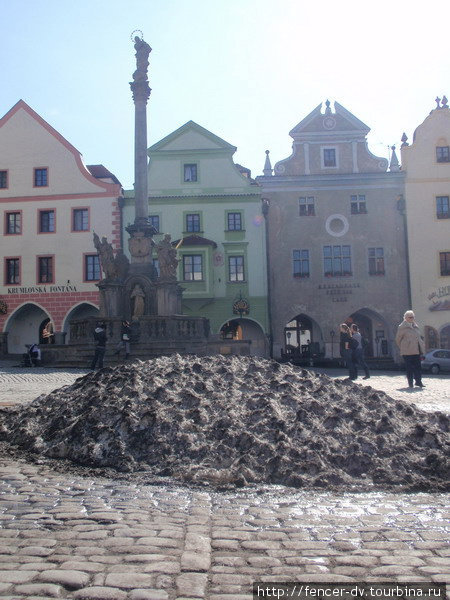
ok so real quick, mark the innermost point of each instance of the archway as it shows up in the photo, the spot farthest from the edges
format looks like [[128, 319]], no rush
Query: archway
[[246, 329], [81, 311], [375, 329], [303, 338], [445, 337], [24, 327]]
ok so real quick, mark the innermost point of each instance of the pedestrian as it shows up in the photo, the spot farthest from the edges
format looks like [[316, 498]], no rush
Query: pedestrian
[[100, 338], [358, 352], [346, 347], [411, 346], [124, 343], [32, 357], [48, 333]]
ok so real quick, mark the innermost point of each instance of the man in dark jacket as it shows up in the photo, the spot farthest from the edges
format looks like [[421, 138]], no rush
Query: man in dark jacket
[[100, 338]]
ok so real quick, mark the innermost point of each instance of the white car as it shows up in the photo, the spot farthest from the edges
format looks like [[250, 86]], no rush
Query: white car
[[436, 361]]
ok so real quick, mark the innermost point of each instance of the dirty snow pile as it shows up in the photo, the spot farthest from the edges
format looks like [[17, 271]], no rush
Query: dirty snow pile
[[235, 421]]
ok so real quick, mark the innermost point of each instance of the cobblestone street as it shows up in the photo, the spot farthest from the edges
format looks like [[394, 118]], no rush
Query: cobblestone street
[[96, 539]]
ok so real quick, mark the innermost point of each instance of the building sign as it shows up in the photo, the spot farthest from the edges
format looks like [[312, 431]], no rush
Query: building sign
[[43, 289], [440, 298], [338, 292], [241, 307]]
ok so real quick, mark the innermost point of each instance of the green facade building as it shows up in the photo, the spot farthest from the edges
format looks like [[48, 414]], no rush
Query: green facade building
[[212, 210]]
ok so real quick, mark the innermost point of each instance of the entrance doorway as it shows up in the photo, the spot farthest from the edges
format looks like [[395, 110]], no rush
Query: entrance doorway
[[246, 329], [302, 338], [25, 327]]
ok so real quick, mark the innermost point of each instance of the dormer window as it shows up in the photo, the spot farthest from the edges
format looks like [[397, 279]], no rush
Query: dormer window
[[190, 172], [442, 154]]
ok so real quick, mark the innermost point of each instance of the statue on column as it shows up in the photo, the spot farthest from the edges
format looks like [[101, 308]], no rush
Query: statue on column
[[142, 53], [167, 258], [106, 253]]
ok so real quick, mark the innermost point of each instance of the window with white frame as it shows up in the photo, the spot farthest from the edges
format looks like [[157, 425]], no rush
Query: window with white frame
[[192, 267], [300, 262], [236, 268], [306, 206], [376, 261], [337, 261], [358, 204]]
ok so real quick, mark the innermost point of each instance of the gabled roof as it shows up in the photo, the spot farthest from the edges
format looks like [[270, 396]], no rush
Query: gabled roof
[[314, 123], [101, 172], [192, 126], [22, 105], [194, 240]]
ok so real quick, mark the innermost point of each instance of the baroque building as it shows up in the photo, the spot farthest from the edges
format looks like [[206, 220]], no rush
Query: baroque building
[[50, 204], [336, 239], [426, 163], [212, 210]]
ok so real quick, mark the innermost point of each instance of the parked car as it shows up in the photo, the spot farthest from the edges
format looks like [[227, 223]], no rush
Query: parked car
[[436, 361]]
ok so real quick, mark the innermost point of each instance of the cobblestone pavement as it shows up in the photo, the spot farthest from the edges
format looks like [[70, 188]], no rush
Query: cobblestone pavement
[[70, 537]]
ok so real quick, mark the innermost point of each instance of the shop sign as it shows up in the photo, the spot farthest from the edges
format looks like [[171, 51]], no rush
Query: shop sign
[[43, 289]]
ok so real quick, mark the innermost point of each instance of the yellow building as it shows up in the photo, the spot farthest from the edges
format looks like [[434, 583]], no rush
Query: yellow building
[[427, 191], [50, 204]]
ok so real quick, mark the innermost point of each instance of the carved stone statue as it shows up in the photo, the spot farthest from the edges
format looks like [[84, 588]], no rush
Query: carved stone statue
[[142, 53], [138, 301], [167, 257], [106, 254]]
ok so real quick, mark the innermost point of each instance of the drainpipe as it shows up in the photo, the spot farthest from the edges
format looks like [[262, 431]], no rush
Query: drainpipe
[[401, 207], [265, 211]]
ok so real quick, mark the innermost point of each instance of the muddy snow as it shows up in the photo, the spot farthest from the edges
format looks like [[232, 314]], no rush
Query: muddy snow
[[228, 421]]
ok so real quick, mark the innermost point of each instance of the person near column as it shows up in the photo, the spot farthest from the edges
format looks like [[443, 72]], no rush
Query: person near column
[[124, 343], [411, 346], [358, 352], [346, 346], [100, 338]]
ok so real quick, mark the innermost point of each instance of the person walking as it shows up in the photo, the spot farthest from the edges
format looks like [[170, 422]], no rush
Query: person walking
[[358, 352], [411, 347], [124, 343], [100, 338], [346, 347]]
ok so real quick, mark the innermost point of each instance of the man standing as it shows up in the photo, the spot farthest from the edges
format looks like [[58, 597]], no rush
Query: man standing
[[358, 352], [100, 338]]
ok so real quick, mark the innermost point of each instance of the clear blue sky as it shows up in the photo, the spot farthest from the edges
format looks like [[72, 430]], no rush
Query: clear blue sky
[[247, 70]]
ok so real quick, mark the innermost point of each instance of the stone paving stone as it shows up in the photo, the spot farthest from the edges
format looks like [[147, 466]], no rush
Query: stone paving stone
[[195, 561], [130, 581], [100, 593], [192, 584], [40, 589], [148, 595], [68, 578], [17, 576]]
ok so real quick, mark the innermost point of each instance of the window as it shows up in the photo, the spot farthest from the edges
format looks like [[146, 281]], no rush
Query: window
[[3, 180], [236, 268], [193, 222], [234, 221], [41, 177], [45, 269], [358, 204], [442, 154], [337, 261], [444, 258], [13, 223], [190, 172], [80, 219], [442, 207], [154, 222], [12, 271], [192, 267], [46, 221], [300, 263], [329, 157], [376, 261], [306, 204], [92, 267]]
